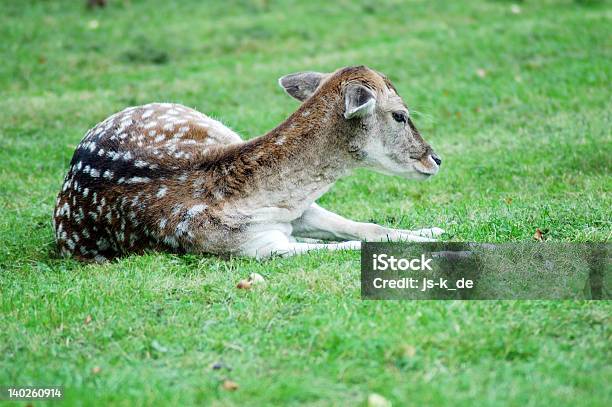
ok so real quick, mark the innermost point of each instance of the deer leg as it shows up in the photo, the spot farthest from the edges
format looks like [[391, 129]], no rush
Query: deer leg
[[274, 242], [319, 223]]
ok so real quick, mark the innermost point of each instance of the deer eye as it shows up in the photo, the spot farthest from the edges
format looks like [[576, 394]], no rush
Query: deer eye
[[400, 117]]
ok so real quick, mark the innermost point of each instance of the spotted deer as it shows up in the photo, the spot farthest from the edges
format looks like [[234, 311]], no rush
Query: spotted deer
[[166, 177]]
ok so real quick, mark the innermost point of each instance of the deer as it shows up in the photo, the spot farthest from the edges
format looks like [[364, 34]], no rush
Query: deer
[[165, 177]]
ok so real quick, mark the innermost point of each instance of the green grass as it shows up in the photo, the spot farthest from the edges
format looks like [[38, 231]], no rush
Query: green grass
[[528, 145]]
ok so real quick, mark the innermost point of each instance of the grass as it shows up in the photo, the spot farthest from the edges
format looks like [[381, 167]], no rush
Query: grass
[[518, 105]]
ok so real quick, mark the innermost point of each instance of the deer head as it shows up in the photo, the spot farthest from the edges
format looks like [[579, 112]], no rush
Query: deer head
[[371, 117]]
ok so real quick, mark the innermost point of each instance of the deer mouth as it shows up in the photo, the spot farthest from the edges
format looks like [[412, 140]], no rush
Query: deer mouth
[[426, 166], [424, 173]]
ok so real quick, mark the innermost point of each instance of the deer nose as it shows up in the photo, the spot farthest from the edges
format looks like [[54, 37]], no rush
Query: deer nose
[[437, 159]]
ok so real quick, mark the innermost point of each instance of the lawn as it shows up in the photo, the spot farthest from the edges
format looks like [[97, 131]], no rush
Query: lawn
[[514, 97]]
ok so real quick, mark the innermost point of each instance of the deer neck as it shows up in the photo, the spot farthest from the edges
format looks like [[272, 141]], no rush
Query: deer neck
[[295, 163]]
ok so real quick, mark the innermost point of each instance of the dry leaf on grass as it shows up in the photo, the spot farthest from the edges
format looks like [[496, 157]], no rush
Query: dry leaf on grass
[[254, 279], [230, 385], [538, 235], [96, 369], [244, 285], [88, 319]]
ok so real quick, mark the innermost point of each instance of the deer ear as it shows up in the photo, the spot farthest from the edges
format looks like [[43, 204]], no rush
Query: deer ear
[[301, 85], [359, 101]]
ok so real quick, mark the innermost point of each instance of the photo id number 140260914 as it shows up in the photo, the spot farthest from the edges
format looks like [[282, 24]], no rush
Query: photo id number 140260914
[[31, 393]]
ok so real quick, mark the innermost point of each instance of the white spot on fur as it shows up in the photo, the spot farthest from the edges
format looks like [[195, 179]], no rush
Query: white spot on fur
[[171, 240], [182, 228], [162, 192], [65, 210], [135, 180], [194, 210], [113, 155]]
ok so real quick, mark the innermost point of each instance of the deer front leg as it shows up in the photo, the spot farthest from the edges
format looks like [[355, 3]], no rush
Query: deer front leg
[[274, 242], [319, 223]]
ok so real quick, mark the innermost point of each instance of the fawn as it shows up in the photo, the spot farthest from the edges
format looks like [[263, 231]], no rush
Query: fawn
[[163, 176]]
